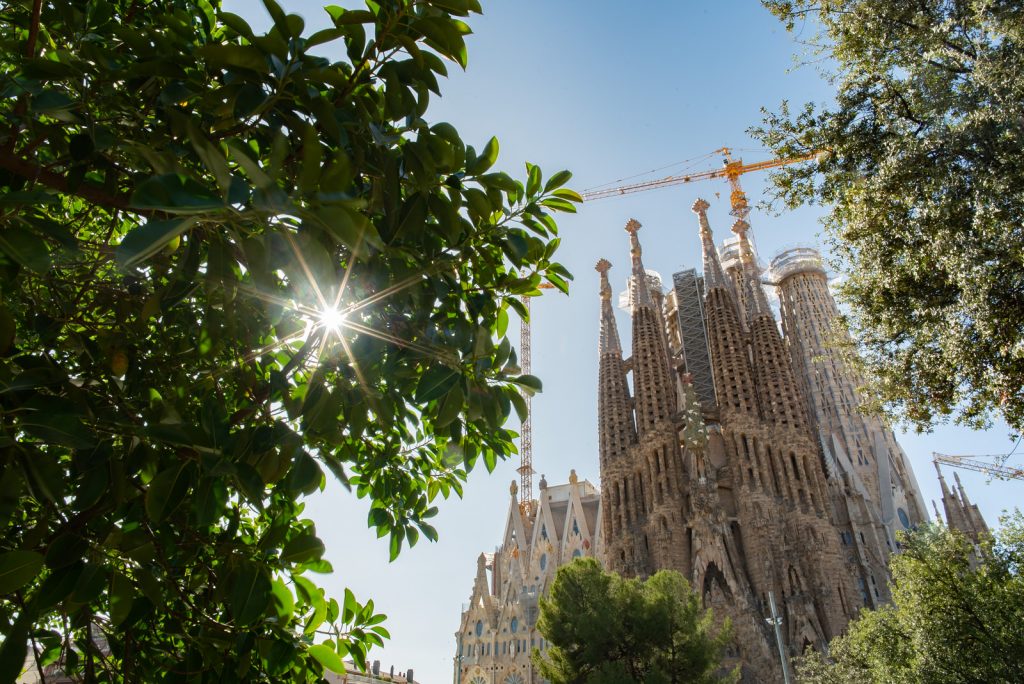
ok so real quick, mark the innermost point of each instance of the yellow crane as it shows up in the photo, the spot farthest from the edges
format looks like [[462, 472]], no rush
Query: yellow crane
[[974, 463], [731, 170]]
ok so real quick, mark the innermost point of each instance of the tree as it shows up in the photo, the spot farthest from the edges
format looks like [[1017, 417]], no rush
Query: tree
[[602, 628], [923, 176], [232, 264], [957, 616]]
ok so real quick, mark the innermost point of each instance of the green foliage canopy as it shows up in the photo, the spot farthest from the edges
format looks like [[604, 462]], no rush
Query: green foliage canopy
[[924, 178], [232, 264], [602, 629], [956, 616]]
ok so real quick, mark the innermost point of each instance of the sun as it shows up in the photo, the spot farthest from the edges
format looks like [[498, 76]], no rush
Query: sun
[[331, 319]]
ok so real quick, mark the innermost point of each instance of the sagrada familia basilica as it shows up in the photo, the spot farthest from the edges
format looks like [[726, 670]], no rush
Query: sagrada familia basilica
[[734, 454]]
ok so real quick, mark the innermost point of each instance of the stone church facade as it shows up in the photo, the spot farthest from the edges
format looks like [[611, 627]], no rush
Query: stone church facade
[[732, 493], [498, 630], [729, 451]]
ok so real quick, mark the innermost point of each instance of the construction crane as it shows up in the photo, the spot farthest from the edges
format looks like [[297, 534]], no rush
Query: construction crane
[[974, 463], [731, 171], [525, 468]]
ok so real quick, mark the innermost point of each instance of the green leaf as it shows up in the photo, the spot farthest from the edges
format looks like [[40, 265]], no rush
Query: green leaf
[[146, 240], [237, 24], [520, 404], [167, 490], [250, 594], [559, 204], [435, 383], [557, 180], [302, 549], [18, 568], [58, 428], [247, 57], [122, 597], [529, 381], [284, 602], [176, 194], [328, 657], [15, 648], [533, 179], [486, 160], [324, 36], [343, 17], [450, 407], [25, 248], [567, 194]]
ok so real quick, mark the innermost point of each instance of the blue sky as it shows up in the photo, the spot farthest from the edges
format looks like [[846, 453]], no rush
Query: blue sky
[[607, 90]]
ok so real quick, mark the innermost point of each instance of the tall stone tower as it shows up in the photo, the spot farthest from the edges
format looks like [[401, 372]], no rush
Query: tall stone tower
[[872, 485], [961, 514], [730, 494]]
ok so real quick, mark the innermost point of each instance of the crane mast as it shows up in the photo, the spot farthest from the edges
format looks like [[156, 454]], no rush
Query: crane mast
[[525, 468], [980, 466]]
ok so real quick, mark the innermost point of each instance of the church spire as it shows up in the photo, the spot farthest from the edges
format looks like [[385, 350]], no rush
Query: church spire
[[757, 303], [616, 429], [955, 518], [713, 274], [639, 291], [780, 395], [609, 342], [730, 365], [653, 383]]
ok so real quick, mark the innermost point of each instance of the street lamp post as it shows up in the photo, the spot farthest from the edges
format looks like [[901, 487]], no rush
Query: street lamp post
[[458, 662], [776, 621]]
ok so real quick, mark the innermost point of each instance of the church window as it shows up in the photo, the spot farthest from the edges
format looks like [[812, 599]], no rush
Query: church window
[[543, 561], [575, 527], [577, 553], [479, 627], [904, 520], [543, 532], [514, 625]]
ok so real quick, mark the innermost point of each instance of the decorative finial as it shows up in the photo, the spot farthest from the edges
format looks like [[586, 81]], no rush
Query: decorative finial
[[606, 289], [740, 227], [700, 206], [572, 477], [543, 482], [513, 488], [632, 226]]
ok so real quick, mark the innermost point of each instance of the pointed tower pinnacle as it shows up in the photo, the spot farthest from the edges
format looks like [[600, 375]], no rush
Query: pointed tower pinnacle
[[955, 518], [609, 342], [757, 303], [730, 364], [713, 275], [960, 490], [616, 426], [640, 294], [653, 384]]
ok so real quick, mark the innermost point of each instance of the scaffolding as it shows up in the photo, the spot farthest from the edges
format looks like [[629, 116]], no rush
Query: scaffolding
[[689, 295]]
